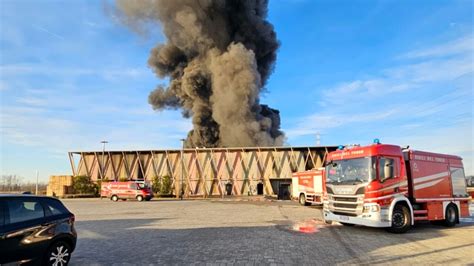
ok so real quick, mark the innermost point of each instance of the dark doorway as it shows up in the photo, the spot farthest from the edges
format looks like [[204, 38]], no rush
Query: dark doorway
[[228, 189], [284, 192], [260, 189], [277, 183]]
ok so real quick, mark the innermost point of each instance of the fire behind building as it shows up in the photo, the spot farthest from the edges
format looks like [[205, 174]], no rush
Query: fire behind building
[[205, 172]]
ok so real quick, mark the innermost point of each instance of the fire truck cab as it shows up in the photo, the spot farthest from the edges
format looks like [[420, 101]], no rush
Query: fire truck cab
[[383, 185]]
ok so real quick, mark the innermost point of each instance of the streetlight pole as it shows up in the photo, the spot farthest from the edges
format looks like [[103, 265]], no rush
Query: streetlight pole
[[181, 193], [102, 164]]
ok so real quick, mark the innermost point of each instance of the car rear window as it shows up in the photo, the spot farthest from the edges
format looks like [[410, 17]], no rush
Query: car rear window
[[24, 210], [55, 207]]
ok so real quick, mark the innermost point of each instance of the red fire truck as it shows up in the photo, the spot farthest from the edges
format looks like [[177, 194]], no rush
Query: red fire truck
[[308, 186], [388, 186]]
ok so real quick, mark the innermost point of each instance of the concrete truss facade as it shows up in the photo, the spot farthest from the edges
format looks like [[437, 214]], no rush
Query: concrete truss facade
[[204, 172]]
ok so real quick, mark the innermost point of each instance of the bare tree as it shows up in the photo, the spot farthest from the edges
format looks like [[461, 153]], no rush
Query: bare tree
[[15, 183]]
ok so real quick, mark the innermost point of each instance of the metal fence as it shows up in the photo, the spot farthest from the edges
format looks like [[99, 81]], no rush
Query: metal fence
[[204, 172]]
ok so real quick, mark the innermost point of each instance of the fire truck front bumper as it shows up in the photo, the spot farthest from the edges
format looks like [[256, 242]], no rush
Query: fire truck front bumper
[[372, 219]]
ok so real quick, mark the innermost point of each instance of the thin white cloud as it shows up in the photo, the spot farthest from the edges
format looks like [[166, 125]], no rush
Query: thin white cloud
[[49, 32], [32, 101], [91, 23], [41, 69], [33, 129], [362, 89], [59, 135], [312, 124], [464, 44], [442, 63], [432, 70], [38, 91]]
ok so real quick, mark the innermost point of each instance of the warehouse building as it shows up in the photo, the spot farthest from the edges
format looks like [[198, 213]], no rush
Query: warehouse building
[[205, 172]]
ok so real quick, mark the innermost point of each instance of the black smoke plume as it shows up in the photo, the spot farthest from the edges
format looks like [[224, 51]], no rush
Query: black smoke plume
[[218, 57]]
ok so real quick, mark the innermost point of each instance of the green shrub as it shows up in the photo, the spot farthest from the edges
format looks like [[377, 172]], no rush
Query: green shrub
[[123, 179], [84, 185], [165, 188], [156, 185], [162, 185]]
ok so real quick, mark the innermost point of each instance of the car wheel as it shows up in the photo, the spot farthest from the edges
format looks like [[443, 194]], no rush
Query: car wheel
[[140, 198], [58, 254], [401, 219], [114, 198], [451, 216]]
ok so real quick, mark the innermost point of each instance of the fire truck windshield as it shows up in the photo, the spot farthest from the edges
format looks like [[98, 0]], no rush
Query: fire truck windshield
[[351, 171]]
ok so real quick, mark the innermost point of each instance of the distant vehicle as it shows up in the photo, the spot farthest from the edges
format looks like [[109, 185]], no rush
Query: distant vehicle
[[470, 185], [388, 186], [308, 186], [126, 190], [36, 230], [470, 181]]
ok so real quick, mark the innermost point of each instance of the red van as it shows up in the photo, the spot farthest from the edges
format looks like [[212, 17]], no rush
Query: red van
[[138, 190]]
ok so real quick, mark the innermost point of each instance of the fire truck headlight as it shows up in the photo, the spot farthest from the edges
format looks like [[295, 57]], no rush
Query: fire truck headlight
[[372, 208]]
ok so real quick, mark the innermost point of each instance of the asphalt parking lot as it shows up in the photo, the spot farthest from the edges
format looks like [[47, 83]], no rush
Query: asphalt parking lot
[[241, 232]]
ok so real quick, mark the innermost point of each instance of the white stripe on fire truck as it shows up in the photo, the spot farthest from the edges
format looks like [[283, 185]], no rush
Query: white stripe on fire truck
[[428, 184], [440, 199], [430, 177], [385, 197], [399, 184]]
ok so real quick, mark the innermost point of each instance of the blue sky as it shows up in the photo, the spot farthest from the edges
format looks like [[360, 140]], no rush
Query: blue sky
[[401, 71]]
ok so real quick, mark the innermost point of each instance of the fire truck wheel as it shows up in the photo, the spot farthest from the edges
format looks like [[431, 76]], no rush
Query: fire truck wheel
[[401, 219], [114, 198], [303, 200], [140, 198], [451, 216]]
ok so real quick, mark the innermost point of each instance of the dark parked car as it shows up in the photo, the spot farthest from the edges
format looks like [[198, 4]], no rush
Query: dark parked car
[[35, 229]]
